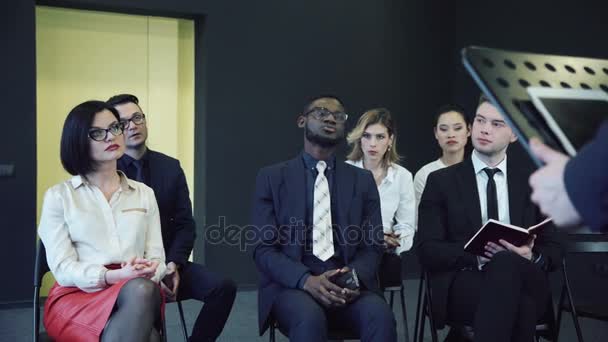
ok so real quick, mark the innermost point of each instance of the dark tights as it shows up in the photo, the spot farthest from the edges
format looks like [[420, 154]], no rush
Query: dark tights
[[136, 313]]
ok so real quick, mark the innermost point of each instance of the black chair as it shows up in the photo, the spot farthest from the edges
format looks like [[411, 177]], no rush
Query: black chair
[[41, 268], [391, 281], [180, 309], [546, 328], [589, 308], [332, 334]]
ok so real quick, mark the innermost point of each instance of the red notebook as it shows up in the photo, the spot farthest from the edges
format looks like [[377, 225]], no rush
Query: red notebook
[[494, 230]]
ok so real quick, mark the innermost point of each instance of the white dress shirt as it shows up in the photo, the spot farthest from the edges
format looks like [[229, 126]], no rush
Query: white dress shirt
[[82, 231], [502, 191], [397, 204], [422, 175]]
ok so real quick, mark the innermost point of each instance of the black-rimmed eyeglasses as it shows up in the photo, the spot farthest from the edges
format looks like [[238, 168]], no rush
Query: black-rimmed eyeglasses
[[100, 134], [321, 113], [137, 118]]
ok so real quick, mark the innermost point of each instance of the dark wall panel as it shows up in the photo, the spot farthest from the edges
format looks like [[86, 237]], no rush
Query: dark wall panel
[[17, 148], [265, 60], [552, 27]]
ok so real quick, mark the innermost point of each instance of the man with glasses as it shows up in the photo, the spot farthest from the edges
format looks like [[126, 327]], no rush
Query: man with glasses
[[184, 280], [317, 219]]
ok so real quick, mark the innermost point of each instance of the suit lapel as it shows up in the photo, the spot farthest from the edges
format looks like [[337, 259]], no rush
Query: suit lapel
[[155, 171], [517, 195], [345, 190], [293, 193], [467, 186]]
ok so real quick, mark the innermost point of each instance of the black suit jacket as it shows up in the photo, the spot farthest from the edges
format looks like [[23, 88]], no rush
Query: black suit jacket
[[279, 214], [167, 179], [450, 214]]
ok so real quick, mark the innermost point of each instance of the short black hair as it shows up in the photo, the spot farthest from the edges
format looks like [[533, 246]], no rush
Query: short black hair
[[483, 98], [75, 147], [122, 99], [446, 108], [323, 96]]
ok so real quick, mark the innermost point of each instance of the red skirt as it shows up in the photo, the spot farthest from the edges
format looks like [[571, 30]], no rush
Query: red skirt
[[71, 314]]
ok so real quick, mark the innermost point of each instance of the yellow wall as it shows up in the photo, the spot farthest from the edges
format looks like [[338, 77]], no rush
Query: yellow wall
[[83, 55]]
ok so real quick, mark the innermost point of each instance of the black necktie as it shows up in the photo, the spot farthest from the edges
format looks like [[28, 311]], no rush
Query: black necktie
[[139, 170], [492, 199]]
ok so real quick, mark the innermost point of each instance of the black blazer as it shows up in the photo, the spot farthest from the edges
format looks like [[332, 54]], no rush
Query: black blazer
[[279, 203], [167, 179], [449, 214]]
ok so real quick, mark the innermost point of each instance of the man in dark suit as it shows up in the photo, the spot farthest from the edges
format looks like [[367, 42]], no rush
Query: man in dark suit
[[184, 280], [318, 217], [574, 191], [502, 294]]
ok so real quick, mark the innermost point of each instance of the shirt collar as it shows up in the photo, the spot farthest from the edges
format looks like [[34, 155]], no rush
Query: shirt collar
[[126, 160], [311, 163], [390, 173], [125, 183], [479, 165]]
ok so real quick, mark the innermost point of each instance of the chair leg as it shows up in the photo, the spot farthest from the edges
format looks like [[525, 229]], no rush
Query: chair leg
[[429, 310], [404, 312], [560, 305], [182, 320], [272, 333], [422, 322], [36, 313], [392, 298], [164, 334], [420, 336], [577, 326], [418, 308]]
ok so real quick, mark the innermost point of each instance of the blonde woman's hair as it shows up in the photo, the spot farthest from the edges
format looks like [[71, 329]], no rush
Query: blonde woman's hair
[[371, 117]]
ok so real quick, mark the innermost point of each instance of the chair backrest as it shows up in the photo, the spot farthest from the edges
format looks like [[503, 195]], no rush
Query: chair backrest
[[587, 247], [40, 264], [40, 268], [390, 272], [584, 262]]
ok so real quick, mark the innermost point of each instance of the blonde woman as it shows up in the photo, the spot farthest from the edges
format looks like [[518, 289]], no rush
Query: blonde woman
[[373, 143]]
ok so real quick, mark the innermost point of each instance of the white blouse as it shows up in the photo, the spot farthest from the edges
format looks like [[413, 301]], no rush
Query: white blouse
[[82, 231], [397, 204], [422, 175]]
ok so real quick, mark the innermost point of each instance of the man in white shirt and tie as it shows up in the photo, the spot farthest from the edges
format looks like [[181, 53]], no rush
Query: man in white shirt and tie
[[503, 294], [317, 218]]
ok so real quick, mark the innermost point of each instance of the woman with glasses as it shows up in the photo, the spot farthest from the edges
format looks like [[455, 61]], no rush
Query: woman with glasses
[[452, 132], [102, 236], [373, 143]]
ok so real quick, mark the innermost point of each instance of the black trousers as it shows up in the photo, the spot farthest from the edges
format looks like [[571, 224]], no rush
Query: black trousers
[[217, 292], [503, 302], [303, 319]]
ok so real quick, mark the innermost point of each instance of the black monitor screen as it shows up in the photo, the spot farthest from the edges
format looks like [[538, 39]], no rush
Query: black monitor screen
[[579, 119]]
